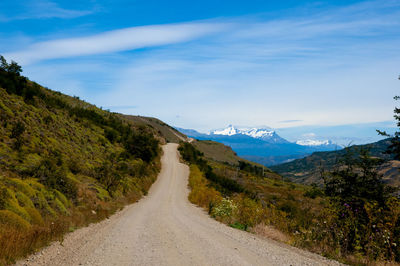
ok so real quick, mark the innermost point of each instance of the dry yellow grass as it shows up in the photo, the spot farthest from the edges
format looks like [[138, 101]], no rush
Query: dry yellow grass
[[270, 232]]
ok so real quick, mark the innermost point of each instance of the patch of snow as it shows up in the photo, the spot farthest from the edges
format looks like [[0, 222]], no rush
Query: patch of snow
[[228, 131], [252, 132], [312, 142]]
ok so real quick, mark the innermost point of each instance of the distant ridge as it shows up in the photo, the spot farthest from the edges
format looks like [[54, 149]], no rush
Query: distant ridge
[[262, 145], [308, 170]]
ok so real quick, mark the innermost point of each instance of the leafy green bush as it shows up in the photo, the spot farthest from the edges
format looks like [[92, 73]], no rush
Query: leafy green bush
[[142, 145], [53, 174]]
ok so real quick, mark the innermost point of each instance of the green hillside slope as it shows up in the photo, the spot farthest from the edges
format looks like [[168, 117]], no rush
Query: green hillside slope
[[217, 151], [308, 170], [65, 163], [169, 133]]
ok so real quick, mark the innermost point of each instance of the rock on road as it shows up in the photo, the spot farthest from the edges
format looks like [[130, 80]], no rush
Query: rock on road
[[164, 228]]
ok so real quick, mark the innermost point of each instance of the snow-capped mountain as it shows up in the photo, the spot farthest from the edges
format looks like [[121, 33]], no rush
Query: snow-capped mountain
[[313, 142], [262, 144], [264, 133], [252, 132], [319, 144]]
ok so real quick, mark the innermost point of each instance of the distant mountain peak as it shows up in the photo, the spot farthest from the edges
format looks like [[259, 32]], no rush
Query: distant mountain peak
[[319, 143], [230, 130], [313, 142], [254, 132]]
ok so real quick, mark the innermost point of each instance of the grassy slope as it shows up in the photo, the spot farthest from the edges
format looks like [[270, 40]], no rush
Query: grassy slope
[[308, 170], [65, 163], [219, 152], [169, 133]]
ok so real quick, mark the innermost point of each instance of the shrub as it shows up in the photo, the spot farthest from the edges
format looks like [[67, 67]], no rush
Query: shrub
[[313, 192], [201, 194], [8, 218], [225, 208], [24, 200], [366, 213], [53, 174], [249, 212], [17, 130], [142, 145], [36, 218], [111, 134]]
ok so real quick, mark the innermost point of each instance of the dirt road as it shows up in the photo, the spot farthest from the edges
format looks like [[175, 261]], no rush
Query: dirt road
[[165, 229]]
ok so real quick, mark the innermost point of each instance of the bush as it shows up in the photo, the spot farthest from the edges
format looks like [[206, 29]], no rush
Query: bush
[[53, 174], [314, 192], [36, 218], [201, 194], [249, 212], [365, 211], [8, 218], [224, 209], [142, 145]]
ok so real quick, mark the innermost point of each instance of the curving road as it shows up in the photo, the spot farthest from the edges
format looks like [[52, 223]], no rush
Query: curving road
[[165, 229]]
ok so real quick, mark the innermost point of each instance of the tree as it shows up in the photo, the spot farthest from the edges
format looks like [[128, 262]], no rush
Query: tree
[[13, 68], [357, 181], [16, 133], [142, 145], [3, 65], [394, 148], [364, 208]]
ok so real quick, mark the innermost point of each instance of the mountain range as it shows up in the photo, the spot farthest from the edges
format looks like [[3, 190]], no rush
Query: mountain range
[[262, 144]]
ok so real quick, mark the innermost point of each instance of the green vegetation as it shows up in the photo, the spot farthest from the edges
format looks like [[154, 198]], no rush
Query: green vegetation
[[365, 211], [216, 151], [309, 170], [221, 183], [64, 163], [169, 134], [354, 218]]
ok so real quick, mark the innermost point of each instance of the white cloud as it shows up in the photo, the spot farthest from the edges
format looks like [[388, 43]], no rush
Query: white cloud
[[43, 9], [114, 41], [48, 9], [309, 135]]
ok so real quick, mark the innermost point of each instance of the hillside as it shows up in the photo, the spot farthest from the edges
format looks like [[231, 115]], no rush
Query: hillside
[[65, 163], [308, 170], [217, 151], [166, 131]]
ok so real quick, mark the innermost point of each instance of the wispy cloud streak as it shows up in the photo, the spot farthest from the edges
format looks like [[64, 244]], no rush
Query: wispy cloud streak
[[44, 9], [114, 41]]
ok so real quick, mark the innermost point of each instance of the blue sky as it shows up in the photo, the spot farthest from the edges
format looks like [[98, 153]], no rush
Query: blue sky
[[206, 64]]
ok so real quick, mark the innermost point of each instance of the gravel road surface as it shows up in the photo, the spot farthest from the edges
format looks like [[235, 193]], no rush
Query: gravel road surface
[[163, 228]]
